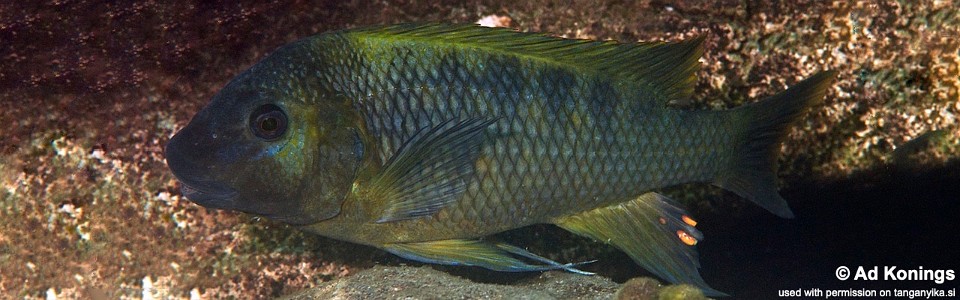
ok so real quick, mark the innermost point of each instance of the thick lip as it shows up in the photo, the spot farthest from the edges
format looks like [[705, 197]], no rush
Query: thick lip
[[208, 193], [195, 183]]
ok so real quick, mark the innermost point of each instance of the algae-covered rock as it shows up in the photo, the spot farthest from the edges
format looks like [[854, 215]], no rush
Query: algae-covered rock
[[640, 288], [384, 282], [405, 282], [681, 292]]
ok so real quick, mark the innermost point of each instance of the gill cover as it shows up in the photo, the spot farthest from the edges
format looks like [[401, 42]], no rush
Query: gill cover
[[270, 144]]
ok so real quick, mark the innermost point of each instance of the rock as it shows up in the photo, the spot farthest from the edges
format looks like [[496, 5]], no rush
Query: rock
[[681, 292], [638, 289], [386, 282], [425, 282]]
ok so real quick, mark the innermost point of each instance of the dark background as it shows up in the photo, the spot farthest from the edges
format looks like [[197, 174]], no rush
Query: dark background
[[876, 218]]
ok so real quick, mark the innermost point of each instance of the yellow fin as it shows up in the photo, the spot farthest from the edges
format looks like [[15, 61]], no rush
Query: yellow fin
[[430, 170], [497, 257], [651, 230], [752, 172], [669, 69]]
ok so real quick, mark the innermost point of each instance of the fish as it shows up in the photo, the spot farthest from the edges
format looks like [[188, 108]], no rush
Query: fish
[[904, 155], [422, 139]]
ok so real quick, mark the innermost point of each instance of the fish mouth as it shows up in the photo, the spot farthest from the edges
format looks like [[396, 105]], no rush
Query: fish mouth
[[195, 181], [208, 193]]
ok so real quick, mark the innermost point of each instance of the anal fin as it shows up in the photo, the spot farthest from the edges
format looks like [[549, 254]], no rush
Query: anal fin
[[653, 231], [497, 257]]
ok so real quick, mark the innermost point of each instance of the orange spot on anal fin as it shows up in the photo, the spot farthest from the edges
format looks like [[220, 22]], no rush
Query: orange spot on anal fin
[[686, 238], [690, 221], [663, 221]]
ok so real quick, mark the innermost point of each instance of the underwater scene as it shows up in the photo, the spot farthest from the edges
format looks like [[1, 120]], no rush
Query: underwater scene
[[523, 149]]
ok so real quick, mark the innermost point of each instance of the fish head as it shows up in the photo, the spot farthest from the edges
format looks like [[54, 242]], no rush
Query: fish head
[[265, 146]]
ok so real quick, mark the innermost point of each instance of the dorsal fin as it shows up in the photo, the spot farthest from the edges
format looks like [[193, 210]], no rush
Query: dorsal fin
[[667, 68]]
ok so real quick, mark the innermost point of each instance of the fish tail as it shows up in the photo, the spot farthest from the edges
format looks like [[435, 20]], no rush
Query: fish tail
[[752, 173]]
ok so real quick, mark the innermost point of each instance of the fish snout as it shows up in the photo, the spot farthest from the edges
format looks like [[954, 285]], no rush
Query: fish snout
[[193, 167]]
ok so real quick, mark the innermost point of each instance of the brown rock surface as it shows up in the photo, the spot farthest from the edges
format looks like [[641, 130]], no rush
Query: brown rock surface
[[383, 282]]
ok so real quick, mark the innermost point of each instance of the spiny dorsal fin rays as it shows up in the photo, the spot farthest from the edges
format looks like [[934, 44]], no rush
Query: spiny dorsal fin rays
[[668, 68]]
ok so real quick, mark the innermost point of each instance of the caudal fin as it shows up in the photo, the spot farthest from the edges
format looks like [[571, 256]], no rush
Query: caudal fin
[[752, 173]]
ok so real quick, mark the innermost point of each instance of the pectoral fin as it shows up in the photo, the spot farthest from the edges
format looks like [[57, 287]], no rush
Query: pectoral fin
[[497, 257], [431, 169], [653, 231]]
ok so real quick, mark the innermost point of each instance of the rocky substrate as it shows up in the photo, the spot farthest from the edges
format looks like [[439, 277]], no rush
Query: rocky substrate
[[404, 282]]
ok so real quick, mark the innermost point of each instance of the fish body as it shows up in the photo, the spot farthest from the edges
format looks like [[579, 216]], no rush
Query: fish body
[[422, 138]]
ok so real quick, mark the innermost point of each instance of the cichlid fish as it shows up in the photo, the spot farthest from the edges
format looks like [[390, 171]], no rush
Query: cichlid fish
[[420, 139]]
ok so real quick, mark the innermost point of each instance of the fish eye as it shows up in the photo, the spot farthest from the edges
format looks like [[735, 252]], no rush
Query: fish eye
[[268, 122]]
